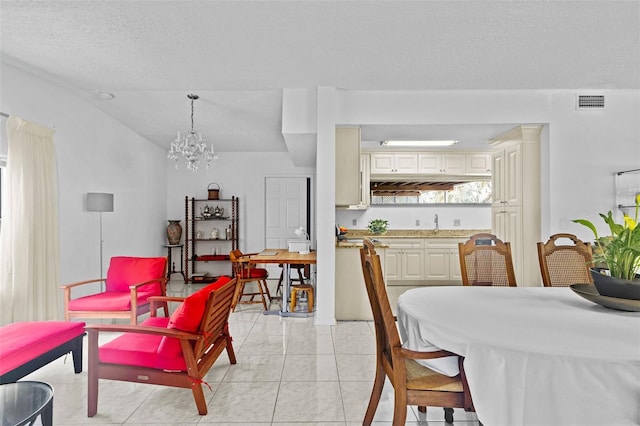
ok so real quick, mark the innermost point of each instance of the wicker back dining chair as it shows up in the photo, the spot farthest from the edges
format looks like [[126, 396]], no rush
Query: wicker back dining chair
[[485, 260], [564, 264], [413, 383]]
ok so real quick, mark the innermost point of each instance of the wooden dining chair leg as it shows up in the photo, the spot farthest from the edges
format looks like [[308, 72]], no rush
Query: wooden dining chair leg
[[400, 407], [237, 295], [376, 392], [266, 289], [264, 301]]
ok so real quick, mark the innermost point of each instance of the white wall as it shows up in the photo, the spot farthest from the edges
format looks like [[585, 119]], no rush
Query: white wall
[[238, 174], [580, 150], [95, 154]]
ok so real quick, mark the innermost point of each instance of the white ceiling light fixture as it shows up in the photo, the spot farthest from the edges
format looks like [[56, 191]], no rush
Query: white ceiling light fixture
[[191, 146], [107, 96], [423, 144]]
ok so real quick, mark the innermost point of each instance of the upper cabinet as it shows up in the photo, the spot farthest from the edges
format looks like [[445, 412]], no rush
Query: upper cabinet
[[439, 163], [478, 163], [352, 170], [431, 163], [389, 163]]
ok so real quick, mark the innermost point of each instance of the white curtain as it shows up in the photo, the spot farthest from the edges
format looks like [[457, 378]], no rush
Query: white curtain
[[29, 236]]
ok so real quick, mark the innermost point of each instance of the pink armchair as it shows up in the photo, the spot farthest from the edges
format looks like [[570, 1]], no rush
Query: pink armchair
[[176, 351], [130, 282]]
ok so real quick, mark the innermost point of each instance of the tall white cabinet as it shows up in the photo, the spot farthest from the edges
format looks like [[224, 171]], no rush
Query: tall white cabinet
[[352, 170], [515, 211]]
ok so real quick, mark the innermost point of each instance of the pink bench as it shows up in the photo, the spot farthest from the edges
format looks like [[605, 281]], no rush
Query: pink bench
[[27, 346]]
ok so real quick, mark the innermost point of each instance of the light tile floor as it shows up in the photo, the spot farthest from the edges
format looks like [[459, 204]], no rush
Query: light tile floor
[[289, 372]]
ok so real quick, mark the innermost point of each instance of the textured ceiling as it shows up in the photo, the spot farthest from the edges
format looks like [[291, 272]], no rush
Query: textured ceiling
[[239, 55]]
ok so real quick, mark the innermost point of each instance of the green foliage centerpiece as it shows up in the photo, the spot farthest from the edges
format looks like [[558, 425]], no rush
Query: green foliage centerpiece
[[378, 226], [620, 252]]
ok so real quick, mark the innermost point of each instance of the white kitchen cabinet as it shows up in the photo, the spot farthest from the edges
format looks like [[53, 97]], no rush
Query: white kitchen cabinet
[[393, 265], [404, 260], [393, 163], [454, 163], [515, 210], [365, 178], [507, 176], [442, 262], [478, 163], [429, 162], [437, 264], [348, 173]]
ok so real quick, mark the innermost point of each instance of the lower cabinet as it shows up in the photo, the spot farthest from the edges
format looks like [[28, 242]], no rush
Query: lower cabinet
[[424, 261], [442, 261], [404, 260], [442, 264]]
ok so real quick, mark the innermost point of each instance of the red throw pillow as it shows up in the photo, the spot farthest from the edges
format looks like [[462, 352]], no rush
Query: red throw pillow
[[188, 315]]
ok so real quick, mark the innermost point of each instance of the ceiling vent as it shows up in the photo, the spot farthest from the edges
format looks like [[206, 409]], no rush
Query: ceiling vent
[[590, 102]]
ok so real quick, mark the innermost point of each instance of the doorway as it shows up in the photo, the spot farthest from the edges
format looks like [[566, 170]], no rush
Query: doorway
[[287, 207]]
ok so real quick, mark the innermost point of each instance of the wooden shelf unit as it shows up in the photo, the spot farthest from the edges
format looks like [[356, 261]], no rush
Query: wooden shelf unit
[[195, 247]]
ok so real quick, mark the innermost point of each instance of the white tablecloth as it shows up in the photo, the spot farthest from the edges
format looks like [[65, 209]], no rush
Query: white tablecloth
[[533, 356]]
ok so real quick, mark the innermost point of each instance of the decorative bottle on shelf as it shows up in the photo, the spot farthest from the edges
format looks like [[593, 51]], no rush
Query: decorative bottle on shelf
[[228, 233], [174, 232]]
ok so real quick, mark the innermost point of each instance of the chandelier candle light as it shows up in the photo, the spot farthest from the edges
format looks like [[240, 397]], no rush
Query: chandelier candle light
[[191, 146]]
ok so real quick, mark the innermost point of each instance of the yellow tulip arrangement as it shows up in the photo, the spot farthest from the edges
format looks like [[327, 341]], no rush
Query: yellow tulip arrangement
[[621, 250]]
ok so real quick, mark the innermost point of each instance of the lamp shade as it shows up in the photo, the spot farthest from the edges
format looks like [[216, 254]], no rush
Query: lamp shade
[[99, 202]]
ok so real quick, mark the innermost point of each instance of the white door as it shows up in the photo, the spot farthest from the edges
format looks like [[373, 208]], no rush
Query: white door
[[285, 211]]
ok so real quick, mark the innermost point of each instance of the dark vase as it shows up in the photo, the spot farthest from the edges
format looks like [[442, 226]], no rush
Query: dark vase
[[174, 232], [615, 287]]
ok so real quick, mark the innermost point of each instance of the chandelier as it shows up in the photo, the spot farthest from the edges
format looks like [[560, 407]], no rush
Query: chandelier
[[191, 146]]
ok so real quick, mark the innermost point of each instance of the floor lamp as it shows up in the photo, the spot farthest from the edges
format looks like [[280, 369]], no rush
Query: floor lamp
[[100, 202]]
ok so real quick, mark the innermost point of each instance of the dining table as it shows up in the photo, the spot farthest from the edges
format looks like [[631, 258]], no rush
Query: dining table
[[286, 258], [532, 355]]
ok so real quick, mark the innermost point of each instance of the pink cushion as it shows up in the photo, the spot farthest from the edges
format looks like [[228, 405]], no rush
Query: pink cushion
[[188, 314], [255, 273], [23, 341], [125, 271], [161, 352], [112, 300], [141, 350], [187, 317]]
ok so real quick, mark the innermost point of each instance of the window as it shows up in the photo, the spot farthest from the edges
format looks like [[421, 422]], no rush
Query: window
[[475, 192]]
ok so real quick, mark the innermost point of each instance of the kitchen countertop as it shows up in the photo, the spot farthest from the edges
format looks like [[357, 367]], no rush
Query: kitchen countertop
[[405, 233]]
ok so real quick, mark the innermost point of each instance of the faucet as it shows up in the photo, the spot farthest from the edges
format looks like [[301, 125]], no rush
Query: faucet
[[435, 220]]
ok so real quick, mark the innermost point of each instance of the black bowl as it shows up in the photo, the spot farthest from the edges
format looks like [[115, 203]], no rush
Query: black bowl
[[615, 287]]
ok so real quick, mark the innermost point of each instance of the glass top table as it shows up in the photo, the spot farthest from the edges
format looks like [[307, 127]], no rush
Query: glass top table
[[22, 402]]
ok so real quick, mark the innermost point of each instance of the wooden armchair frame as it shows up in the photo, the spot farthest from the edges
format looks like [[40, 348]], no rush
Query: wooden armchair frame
[[563, 265], [485, 260], [413, 383], [131, 314], [200, 350]]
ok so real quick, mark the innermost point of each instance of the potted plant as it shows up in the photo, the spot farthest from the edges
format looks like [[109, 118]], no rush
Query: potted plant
[[620, 252], [378, 226]]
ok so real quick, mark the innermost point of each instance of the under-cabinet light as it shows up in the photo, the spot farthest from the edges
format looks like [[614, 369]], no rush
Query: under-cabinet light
[[418, 143]]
